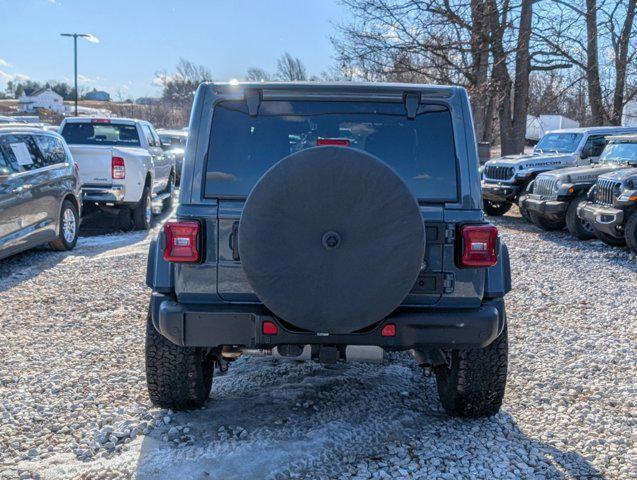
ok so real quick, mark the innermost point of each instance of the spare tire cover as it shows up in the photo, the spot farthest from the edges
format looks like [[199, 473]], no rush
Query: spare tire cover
[[331, 239]]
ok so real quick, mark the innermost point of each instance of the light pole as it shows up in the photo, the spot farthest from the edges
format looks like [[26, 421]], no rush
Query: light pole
[[90, 38]]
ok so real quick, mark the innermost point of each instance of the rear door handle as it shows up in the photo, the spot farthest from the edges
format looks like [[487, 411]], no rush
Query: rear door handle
[[23, 188], [233, 241]]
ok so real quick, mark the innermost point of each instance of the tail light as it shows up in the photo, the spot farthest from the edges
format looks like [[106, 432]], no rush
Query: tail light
[[339, 142], [118, 168], [479, 246], [182, 242]]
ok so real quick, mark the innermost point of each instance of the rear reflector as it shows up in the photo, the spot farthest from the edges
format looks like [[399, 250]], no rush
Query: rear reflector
[[341, 142], [388, 330], [182, 242], [118, 168], [270, 328], [479, 246]]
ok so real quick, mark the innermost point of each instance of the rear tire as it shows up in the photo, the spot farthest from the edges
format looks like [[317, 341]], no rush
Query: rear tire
[[610, 240], [170, 188], [630, 232], [579, 228], [179, 378], [69, 226], [546, 223], [473, 385], [496, 209], [143, 212]]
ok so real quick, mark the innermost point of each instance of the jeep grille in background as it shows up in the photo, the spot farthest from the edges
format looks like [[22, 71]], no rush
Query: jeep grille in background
[[606, 190], [498, 173], [545, 186]]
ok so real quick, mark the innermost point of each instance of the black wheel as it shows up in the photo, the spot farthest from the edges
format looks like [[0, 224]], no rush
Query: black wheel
[[68, 229], [177, 377], [143, 212], [630, 232], [526, 215], [579, 228], [546, 223], [610, 240], [170, 188], [494, 209], [473, 384], [125, 219]]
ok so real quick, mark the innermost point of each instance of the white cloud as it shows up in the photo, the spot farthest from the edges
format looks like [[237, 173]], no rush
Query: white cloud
[[4, 63], [7, 77], [161, 79], [84, 79]]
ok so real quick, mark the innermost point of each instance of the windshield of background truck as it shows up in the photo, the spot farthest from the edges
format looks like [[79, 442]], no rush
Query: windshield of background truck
[[108, 134], [243, 147], [558, 142], [625, 152]]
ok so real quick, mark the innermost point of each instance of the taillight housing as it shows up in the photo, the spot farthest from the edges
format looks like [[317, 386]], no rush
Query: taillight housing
[[479, 246], [118, 168], [182, 242]]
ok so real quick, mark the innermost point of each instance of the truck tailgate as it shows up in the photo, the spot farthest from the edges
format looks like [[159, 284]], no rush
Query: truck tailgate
[[94, 163]]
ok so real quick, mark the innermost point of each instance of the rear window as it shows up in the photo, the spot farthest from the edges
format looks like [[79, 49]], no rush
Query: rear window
[[111, 134], [242, 147]]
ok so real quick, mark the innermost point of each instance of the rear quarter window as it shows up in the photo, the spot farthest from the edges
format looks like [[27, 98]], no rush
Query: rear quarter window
[[243, 147]]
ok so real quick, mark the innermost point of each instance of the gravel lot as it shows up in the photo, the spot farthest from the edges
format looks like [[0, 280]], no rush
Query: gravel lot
[[73, 400]]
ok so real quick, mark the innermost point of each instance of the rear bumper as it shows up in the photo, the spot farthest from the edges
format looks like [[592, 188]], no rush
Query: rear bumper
[[496, 192], [103, 194], [603, 218], [216, 325], [544, 207]]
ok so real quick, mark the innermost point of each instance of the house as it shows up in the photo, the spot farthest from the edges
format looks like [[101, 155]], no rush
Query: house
[[45, 98], [98, 95]]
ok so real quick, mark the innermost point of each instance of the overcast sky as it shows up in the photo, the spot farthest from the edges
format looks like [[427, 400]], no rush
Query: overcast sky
[[139, 38]]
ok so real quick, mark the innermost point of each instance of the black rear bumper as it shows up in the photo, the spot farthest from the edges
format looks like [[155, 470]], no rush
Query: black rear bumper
[[214, 325]]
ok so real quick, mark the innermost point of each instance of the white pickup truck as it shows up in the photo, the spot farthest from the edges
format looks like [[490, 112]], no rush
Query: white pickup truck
[[122, 167]]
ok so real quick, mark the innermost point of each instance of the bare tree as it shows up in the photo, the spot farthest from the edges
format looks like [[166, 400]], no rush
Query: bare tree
[[256, 74], [179, 87], [290, 69]]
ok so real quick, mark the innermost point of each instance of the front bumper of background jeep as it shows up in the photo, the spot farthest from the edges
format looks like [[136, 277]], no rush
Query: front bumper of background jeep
[[214, 325], [500, 192], [544, 206], [606, 219]]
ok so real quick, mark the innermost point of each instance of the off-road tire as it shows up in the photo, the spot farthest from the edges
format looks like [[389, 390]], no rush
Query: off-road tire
[[547, 224], [610, 240], [496, 209], [473, 385], [574, 223], [526, 215], [170, 188], [140, 217], [630, 232], [179, 378], [61, 243]]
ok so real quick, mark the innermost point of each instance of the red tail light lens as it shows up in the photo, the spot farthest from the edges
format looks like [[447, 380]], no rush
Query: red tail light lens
[[182, 242], [479, 246], [340, 142], [270, 328], [388, 330], [118, 168]]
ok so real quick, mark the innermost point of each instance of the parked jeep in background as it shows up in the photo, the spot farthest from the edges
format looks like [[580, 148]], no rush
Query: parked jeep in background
[[122, 167], [174, 144], [325, 220], [506, 179], [39, 190], [554, 196], [611, 208]]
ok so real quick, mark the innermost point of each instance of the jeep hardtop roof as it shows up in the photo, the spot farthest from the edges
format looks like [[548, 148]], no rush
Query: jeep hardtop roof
[[596, 130], [396, 89]]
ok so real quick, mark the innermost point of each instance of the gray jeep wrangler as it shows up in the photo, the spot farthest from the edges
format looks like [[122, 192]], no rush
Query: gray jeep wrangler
[[329, 222], [555, 196], [611, 207]]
